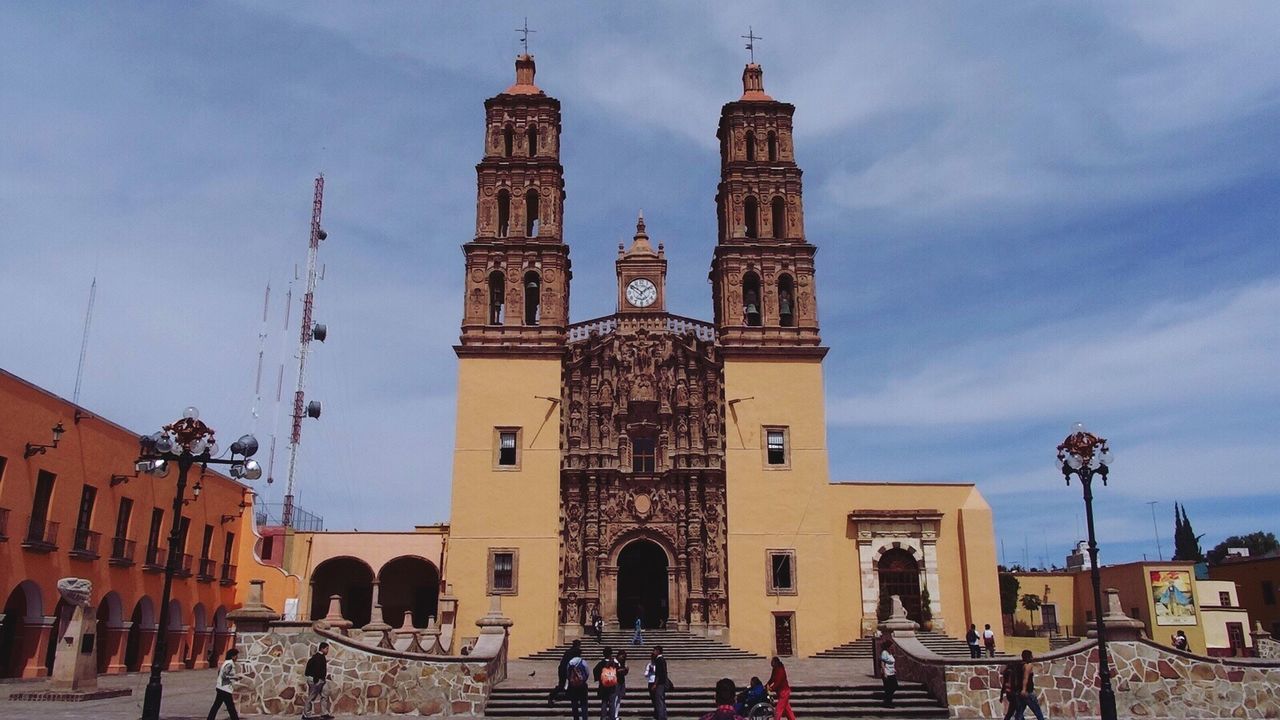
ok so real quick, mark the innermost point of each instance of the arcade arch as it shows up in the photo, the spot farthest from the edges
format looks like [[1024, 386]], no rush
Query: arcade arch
[[346, 576], [408, 584]]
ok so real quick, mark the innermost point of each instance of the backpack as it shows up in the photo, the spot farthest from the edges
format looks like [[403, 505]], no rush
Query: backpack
[[577, 674], [609, 676]]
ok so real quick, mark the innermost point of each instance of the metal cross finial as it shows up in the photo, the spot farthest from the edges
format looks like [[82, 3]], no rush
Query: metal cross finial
[[525, 32], [751, 37]]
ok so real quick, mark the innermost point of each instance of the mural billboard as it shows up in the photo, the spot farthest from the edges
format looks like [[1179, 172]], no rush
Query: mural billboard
[[1171, 593]]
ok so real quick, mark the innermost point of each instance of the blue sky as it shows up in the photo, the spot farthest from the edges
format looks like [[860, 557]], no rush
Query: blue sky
[[1026, 214]]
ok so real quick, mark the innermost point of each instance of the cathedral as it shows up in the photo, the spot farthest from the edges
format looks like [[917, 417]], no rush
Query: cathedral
[[653, 467]]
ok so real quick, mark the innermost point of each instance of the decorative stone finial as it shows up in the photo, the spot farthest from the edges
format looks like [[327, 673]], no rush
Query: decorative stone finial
[[254, 615], [376, 623], [753, 83], [334, 617], [494, 622], [525, 70], [898, 622], [640, 241]]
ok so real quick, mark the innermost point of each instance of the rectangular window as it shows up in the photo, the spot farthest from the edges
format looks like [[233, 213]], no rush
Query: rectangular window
[[644, 455], [1268, 592], [776, 441], [503, 571], [782, 572], [87, 498], [153, 535], [122, 518], [1224, 599], [226, 549], [268, 547], [40, 503], [506, 448], [206, 545], [184, 524]]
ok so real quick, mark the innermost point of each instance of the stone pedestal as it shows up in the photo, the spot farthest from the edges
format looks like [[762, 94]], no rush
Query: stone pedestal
[[255, 615], [75, 662], [1119, 626], [898, 622]]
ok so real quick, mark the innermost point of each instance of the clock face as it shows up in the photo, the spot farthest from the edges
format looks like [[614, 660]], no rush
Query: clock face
[[641, 292]]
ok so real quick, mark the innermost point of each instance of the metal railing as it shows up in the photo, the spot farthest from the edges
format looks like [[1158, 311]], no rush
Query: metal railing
[[122, 551], [85, 543], [155, 558], [185, 562], [207, 566], [269, 514], [228, 574], [42, 535]]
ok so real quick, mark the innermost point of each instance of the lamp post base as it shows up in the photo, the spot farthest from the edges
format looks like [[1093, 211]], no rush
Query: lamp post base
[[151, 701], [1107, 704]]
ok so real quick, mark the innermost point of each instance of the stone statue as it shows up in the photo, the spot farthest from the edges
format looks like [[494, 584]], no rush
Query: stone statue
[[75, 591]]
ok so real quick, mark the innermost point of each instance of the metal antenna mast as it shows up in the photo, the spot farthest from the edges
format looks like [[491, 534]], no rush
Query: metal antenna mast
[[84, 340], [309, 332], [262, 342]]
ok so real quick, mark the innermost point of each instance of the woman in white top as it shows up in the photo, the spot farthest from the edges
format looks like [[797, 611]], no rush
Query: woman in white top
[[223, 685], [888, 669]]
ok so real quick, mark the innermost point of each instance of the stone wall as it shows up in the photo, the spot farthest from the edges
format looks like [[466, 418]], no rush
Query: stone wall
[[1150, 680], [364, 680], [1265, 647]]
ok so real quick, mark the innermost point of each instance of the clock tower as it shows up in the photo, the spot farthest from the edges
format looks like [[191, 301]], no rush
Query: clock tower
[[642, 275]]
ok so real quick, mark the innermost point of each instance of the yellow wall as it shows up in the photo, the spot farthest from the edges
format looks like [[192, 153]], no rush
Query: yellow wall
[[507, 508], [1133, 582], [1061, 591], [1215, 616]]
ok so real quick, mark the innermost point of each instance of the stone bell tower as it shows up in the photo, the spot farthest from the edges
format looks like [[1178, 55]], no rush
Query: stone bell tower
[[642, 274], [762, 274], [517, 285]]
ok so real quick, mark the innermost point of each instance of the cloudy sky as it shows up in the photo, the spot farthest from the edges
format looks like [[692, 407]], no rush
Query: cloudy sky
[[1027, 214]]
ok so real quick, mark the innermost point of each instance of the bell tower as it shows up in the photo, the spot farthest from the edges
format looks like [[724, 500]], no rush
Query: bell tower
[[762, 274], [642, 275], [517, 283]]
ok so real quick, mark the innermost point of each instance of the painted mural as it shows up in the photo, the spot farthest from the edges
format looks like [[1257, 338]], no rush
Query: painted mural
[[1171, 593]]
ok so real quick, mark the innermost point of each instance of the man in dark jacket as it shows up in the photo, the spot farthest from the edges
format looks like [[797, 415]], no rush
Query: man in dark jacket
[[317, 673], [661, 684], [562, 672]]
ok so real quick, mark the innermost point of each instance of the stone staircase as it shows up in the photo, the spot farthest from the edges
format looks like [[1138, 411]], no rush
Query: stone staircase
[[862, 700], [861, 649], [676, 645], [1057, 642]]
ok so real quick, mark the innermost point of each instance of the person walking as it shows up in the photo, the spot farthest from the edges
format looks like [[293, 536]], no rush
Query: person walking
[[317, 674], [222, 687], [1027, 692], [661, 684], [971, 637], [1009, 682], [726, 691], [620, 694], [889, 672], [638, 638], [778, 684], [989, 639], [606, 675], [562, 671], [577, 673]]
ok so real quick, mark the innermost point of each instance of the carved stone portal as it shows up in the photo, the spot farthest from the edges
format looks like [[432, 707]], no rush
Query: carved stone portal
[[642, 480]]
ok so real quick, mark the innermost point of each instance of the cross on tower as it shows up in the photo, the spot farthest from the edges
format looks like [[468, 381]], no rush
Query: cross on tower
[[751, 39], [525, 31]]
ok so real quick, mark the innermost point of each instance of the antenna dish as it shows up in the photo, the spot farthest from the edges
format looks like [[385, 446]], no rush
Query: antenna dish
[[313, 409], [319, 332]]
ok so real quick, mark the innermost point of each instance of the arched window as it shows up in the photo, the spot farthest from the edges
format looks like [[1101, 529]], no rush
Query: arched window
[[786, 301], [504, 212], [532, 289], [779, 217], [508, 141], [751, 209], [773, 146], [533, 141], [751, 299], [751, 146], [531, 213], [497, 296]]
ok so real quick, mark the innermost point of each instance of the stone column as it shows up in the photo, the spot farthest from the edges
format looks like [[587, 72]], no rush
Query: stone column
[[33, 640], [929, 546], [201, 642], [870, 583], [117, 641], [608, 601], [177, 647], [679, 606], [146, 647]]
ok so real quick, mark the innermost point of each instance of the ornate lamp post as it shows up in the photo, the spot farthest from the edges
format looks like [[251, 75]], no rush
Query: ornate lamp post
[[1086, 455], [187, 442]]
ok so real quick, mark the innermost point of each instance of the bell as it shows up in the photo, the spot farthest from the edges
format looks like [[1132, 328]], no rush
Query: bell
[[785, 306], [751, 309], [531, 285]]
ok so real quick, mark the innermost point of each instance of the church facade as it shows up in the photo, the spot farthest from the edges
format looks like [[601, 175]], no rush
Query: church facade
[[649, 466]]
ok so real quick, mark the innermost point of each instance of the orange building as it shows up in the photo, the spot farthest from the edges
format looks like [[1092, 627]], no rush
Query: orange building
[[77, 508]]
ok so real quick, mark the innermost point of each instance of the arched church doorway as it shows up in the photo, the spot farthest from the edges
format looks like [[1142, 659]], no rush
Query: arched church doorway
[[900, 575], [346, 576], [408, 583], [642, 585]]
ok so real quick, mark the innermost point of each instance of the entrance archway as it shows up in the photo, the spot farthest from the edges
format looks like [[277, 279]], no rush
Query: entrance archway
[[22, 607], [142, 619], [408, 583], [642, 585], [899, 574], [110, 621], [349, 577]]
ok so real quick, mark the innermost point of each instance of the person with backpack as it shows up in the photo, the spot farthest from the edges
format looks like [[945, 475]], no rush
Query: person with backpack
[[606, 675], [622, 684], [223, 687], [562, 671], [1009, 688], [971, 637], [578, 673]]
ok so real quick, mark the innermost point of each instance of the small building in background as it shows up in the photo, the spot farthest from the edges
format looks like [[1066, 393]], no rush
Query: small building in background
[[1257, 581]]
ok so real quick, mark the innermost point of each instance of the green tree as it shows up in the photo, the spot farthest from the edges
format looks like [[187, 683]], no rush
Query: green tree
[[1186, 543], [1008, 593], [1258, 543], [1032, 603]]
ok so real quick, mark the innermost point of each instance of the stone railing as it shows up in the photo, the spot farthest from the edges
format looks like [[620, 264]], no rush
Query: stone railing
[[677, 324], [1265, 646], [368, 677]]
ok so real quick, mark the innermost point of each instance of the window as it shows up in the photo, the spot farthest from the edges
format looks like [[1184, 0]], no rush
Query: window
[[782, 574], [184, 524], [776, 441], [751, 146], [644, 454], [206, 545], [503, 571], [268, 547], [506, 448], [504, 212], [226, 549], [508, 140], [40, 503], [531, 213], [497, 296], [85, 539], [773, 146], [751, 211], [1268, 592], [533, 141], [153, 538], [751, 299], [1224, 599], [532, 297], [779, 217], [122, 519]]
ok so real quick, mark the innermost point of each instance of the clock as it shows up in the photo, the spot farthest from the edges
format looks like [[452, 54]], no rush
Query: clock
[[641, 292]]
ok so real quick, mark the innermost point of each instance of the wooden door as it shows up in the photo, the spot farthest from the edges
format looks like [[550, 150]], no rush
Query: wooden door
[[782, 634]]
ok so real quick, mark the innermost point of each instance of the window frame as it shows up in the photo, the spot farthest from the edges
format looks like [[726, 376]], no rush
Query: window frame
[[498, 432], [771, 585], [638, 458], [786, 447], [491, 577]]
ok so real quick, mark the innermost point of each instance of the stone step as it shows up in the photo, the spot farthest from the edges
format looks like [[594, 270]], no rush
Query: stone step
[[861, 649], [676, 645]]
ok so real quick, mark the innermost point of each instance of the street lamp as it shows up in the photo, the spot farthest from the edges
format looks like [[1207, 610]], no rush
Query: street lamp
[[1086, 455], [187, 442]]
